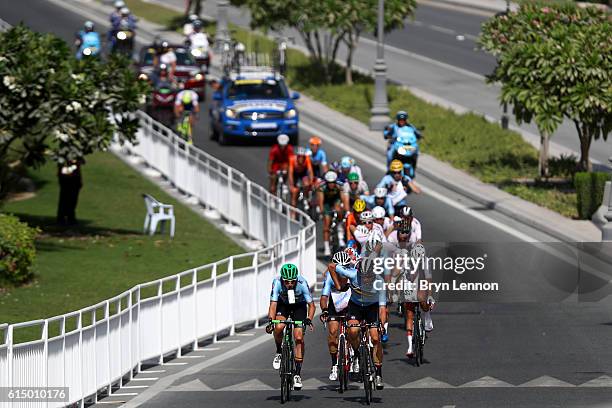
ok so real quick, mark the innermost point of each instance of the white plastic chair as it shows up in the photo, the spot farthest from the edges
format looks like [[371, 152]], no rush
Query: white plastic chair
[[157, 212]]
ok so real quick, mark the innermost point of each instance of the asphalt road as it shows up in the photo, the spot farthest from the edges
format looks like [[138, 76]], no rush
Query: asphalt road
[[538, 328]]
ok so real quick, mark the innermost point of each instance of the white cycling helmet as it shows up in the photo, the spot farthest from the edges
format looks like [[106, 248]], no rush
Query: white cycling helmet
[[366, 216], [380, 192], [119, 4], [378, 212], [341, 258], [282, 139], [331, 177], [373, 239]]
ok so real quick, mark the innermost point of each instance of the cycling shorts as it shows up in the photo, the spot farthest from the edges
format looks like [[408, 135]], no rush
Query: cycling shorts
[[334, 315], [296, 311], [368, 313], [328, 208]]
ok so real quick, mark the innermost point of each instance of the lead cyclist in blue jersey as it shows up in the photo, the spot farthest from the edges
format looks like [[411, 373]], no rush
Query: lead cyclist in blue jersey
[[368, 300], [290, 297]]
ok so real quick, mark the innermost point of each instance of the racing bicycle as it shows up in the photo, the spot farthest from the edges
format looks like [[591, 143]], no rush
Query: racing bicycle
[[418, 334], [183, 127], [282, 189], [287, 368], [345, 356], [366, 365]]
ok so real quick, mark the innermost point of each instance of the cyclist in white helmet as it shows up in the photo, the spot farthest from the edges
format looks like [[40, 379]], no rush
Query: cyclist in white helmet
[[331, 198], [380, 199]]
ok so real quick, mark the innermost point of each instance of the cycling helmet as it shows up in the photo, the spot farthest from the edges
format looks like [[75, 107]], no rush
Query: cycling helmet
[[346, 162], [193, 17], [197, 24], [124, 11], [366, 216], [396, 166], [331, 176], [353, 177], [352, 253], [289, 272], [380, 192], [407, 212], [401, 115], [89, 25], [378, 212], [341, 258], [301, 151], [315, 140], [240, 47], [186, 99], [282, 139], [417, 251], [359, 205], [119, 4], [373, 239]]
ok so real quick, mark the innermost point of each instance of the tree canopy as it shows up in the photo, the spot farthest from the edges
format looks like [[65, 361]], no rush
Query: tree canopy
[[555, 62]]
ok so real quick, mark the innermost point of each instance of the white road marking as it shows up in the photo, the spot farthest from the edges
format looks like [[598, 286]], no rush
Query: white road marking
[[603, 381], [111, 402], [145, 379], [228, 341], [245, 334], [152, 371], [125, 394], [210, 348], [486, 382], [134, 386], [441, 29], [427, 382], [202, 356], [175, 364], [546, 381]]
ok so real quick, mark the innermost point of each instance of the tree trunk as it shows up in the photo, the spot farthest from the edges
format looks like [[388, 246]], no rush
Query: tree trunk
[[350, 45], [198, 7], [543, 157], [584, 164]]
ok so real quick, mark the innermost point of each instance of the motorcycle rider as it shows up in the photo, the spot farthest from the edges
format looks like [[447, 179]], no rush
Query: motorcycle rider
[[405, 149], [88, 41], [125, 22], [392, 131], [188, 26], [115, 15], [198, 42], [167, 57]]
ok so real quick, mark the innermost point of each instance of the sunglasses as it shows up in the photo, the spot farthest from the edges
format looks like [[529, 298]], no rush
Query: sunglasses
[[368, 222], [396, 172], [353, 182], [292, 281]]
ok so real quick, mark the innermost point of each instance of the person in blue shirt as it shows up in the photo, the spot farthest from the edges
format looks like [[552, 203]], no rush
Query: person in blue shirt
[[290, 297], [398, 185], [318, 157], [368, 300], [390, 132], [379, 199], [115, 15], [88, 41]]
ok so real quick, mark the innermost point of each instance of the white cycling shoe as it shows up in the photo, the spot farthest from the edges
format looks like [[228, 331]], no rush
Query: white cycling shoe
[[333, 375], [428, 321], [355, 365], [297, 382], [326, 249], [276, 363], [409, 352]]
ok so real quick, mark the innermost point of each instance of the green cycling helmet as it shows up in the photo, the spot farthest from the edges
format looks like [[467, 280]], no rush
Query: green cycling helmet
[[289, 272], [353, 177]]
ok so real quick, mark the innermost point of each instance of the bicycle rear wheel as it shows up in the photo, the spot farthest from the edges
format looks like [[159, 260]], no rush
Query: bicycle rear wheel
[[285, 374], [341, 363], [416, 341], [365, 373], [422, 337]]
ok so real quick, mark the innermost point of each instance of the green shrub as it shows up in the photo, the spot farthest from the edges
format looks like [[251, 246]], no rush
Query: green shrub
[[17, 250], [590, 189]]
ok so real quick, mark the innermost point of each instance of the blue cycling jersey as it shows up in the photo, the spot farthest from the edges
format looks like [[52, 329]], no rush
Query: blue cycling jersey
[[367, 288], [320, 157], [279, 291], [370, 201]]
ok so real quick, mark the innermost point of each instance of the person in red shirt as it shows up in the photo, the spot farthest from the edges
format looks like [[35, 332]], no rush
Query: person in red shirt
[[300, 173], [278, 160]]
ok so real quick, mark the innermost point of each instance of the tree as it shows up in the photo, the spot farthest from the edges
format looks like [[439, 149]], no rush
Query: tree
[[555, 62], [325, 24], [55, 107]]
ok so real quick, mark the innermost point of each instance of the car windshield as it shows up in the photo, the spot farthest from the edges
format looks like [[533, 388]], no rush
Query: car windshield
[[147, 58], [257, 89]]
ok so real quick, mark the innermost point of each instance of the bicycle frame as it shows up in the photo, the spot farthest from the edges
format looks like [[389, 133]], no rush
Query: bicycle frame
[[287, 357], [365, 356]]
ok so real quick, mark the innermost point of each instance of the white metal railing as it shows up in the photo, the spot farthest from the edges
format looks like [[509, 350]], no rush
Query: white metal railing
[[92, 349]]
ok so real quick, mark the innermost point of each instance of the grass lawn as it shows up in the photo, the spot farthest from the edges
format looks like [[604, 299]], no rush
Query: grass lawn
[[107, 253]]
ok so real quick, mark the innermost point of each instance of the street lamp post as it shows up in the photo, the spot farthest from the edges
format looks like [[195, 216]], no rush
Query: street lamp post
[[380, 107], [222, 35]]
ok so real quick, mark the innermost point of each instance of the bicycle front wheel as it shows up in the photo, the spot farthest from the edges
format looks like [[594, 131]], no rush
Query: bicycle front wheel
[[341, 364], [365, 373], [416, 341], [285, 373]]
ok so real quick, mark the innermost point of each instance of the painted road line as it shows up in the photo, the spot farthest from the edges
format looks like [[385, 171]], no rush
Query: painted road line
[[228, 341], [111, 402], [210, 348], [202, 356], [175, 364], [145, 379], [124, 394], [245, 334], [134, 386], [152, 371]]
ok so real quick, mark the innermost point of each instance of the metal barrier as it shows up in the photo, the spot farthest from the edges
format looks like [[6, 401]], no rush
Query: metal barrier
[[93, 349]]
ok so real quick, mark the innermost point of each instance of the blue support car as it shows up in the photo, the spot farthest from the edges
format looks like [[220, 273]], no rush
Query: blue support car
[[253, 105]]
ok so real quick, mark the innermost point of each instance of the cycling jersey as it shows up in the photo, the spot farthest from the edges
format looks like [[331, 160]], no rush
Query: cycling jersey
[[343, 177], [370, 201], [362, 188], [415, 233], [367, 287], [396, 189], [318, 159], [331, 196], [299, 171], [280, 157], [350, 220], [280, 294], [187, 106]]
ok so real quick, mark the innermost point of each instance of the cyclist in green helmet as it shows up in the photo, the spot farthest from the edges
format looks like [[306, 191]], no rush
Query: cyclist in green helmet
[[187, 102], [290, 297], [355, 187]]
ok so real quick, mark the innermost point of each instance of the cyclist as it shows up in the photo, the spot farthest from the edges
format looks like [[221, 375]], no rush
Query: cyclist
[[331, 198], [278, 159], [289, 298], [380, 199], [346, 166], [367, 302], [366, 228], [318, 157], [378, 214], [411, 223], [300, 173], [355, 187], [187, 101], [352, 220], [88, 39], [398, 184], [333, 312]]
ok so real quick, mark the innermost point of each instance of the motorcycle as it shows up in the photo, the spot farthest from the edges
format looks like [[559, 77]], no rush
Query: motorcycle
[[92, 48], [123, 40], [202, 57], [162, 103], [405, 148]]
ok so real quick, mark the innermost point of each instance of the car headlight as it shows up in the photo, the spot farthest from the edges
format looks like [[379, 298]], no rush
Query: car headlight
[[87, 51], [196, 52], [230, 113], [121, 35], [143, 77], [290, 113], [199, 77]]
